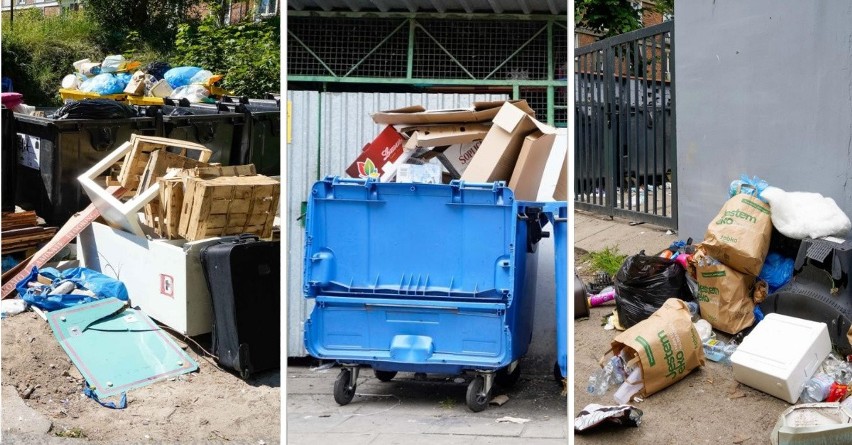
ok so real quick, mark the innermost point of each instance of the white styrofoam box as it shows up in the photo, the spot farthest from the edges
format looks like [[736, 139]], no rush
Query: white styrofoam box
[[164, 278], [780, 355]]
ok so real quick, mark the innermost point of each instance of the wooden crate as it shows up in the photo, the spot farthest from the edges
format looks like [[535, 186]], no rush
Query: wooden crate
[[229, 206], [159, 163], [135, 162], [171, 195]]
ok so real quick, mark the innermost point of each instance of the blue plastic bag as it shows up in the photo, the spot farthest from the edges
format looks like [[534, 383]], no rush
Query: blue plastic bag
[[124, 78], [750, 186], [776, 271], [103, 84], [99, 284], [180, 76]]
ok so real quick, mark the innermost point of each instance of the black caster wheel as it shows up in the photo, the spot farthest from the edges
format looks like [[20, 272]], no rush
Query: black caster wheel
[[343, 393], [384, 376], [245, 374], [508, 379], [475, 400]]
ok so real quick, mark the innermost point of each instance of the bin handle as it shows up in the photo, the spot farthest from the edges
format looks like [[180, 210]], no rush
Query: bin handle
[[460, 184], [101, 138], [413, 306]]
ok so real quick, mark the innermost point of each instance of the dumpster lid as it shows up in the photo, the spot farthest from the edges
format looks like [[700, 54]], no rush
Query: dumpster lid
[[411, 240]]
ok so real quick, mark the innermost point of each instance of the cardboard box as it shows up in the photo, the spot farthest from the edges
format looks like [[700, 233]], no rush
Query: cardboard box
[[164, 278], [498, 154], [453, 145], [561, 191], [780, 355], [526, 177], [379, 159], [417, 115], [428, 173]]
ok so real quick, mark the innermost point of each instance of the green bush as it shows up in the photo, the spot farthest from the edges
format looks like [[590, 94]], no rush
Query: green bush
[[38, 52], [247, 54]]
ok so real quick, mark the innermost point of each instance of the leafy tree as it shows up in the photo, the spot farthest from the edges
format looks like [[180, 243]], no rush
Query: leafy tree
[[155, 20], [664, 6], [609, 17]]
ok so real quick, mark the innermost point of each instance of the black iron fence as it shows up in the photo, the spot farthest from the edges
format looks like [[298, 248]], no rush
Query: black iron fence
[[624, 141]]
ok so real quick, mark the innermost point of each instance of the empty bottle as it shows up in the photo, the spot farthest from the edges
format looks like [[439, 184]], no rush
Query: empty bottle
[[598, 382], [719, 351], [817, 388]]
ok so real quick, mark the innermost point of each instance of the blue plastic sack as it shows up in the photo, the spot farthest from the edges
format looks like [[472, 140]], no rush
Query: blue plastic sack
[[777, 271], [750, 186], [124, 78], [180, 76], [99, 284], [103, 84]]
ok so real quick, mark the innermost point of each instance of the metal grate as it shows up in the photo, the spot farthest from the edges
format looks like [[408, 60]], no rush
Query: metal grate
[[536, 97], [343, 47], [499, 50]]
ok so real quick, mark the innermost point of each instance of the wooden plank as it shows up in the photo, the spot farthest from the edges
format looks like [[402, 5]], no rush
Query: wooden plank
[[68, 232]]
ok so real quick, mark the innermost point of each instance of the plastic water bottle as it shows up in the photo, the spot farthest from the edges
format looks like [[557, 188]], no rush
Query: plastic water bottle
[[817, 388], [719, 351], [598, 382]]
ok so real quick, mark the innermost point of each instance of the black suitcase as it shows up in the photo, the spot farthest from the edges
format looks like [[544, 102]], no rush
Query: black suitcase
[[244, 278]]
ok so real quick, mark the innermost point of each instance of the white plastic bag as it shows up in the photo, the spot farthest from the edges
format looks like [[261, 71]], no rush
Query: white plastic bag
[[112, 64], [801, 215], [193, 93]]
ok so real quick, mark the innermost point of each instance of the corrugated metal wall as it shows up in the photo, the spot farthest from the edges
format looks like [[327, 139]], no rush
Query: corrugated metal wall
[[333, 132], [302, 149]]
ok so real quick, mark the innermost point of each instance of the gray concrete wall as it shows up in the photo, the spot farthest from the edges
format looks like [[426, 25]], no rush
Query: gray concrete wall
[[763, 87]]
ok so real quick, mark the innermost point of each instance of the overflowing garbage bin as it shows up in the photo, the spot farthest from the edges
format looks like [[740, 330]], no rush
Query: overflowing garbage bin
[[557, 213], [10, 161], [54, 152], [260, 143], [220, 130], [424, 278]]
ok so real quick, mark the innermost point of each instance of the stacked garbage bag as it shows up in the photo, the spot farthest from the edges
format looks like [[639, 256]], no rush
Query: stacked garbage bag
[[121, 79], [772, 264]]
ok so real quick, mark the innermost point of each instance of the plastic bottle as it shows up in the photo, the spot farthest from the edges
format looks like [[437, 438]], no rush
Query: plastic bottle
[[605, 295], [817, 388], [598, 382], [693, 310], [719, 351]]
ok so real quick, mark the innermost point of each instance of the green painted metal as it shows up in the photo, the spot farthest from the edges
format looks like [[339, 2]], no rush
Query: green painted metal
[[445, 50], [354, 67], [516, 92], [319, 131], [521, 48], [428, 15], [409, 67], [311, 52], [116, 348], [551, 110], [427, 82]]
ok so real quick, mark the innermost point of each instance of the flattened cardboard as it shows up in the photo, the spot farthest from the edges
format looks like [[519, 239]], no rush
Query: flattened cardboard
[[417, 115], [560, 193], [453, 145], [378, 158], [526, 178], [496, 158]]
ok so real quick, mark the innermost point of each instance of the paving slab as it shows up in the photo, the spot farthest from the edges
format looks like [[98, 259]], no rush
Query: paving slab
[[595, 232], [20, 418]]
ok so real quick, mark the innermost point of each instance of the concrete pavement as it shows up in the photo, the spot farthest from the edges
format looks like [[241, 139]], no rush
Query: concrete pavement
[[411, 411], [594, 232]]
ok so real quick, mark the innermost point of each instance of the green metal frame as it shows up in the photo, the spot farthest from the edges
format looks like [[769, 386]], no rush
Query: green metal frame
[[548, 25]]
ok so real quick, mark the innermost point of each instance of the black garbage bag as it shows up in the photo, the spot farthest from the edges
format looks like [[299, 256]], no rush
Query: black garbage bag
[[94, 109], [157, 69], [644, 283]]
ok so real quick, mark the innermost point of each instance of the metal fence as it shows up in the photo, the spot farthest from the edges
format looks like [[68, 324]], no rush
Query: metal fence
[[625, 147], [525, 55]]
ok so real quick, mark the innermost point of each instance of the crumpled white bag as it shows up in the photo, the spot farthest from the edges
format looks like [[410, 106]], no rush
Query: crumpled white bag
[[801, 215]]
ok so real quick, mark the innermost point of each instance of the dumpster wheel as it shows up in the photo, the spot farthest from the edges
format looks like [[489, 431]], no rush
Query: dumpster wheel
[[344, 386], [477, 396], [508, 379], [384, 376]]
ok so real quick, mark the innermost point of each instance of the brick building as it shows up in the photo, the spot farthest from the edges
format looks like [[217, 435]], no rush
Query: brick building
[[650, 17]]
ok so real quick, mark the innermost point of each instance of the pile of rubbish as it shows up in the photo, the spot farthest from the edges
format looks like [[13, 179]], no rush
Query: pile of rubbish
[[769, 272], [160, 211], [112, 78]]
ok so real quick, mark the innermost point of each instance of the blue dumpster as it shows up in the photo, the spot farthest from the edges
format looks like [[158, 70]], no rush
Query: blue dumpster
[[557, 213], [425, 278]]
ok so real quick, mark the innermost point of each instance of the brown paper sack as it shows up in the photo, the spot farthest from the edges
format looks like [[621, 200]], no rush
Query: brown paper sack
[[739, 235], [666, 344], [724, 296]]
